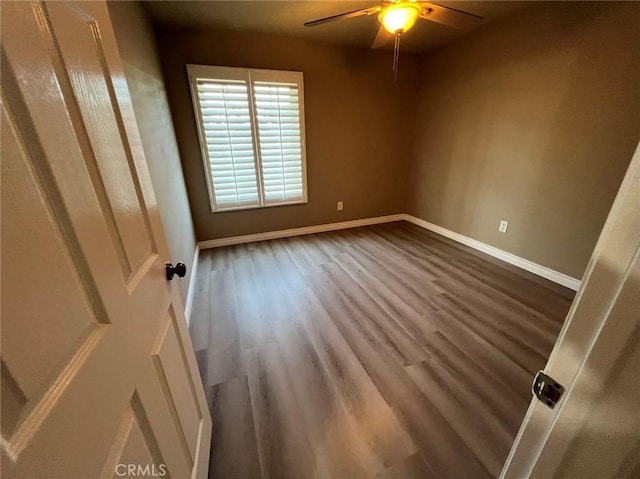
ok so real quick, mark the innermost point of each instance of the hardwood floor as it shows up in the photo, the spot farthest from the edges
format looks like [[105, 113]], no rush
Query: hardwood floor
[[382, 351]]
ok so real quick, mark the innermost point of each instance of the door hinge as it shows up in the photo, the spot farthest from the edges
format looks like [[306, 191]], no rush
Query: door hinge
[[547, 389]]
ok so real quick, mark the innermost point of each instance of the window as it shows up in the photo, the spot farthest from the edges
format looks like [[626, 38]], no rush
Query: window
[[251, 129]]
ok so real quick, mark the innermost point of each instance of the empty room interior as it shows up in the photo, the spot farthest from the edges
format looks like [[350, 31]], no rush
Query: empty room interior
[[320, 239]]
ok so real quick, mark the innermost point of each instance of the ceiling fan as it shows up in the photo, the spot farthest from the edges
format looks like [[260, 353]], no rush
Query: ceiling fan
[[396, 17]]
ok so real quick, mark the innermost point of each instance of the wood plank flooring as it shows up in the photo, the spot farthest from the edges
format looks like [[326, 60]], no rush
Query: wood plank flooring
[[376, 352]]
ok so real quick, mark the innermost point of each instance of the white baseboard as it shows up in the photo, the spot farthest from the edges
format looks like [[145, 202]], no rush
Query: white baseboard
[[543, 271], [192, 285], [298, 231], [550, 274]]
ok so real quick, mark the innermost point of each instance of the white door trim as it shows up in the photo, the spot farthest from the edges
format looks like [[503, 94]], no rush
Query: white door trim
[[188, 305]]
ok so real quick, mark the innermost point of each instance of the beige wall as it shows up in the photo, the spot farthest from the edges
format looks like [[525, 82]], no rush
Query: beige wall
[[533, 120], [142, 70], [359, 126]]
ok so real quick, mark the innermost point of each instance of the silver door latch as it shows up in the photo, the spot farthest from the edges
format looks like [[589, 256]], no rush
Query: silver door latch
[[547, 389]]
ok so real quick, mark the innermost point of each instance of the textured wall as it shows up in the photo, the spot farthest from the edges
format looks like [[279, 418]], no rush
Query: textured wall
[[533, 120], [359, 126]]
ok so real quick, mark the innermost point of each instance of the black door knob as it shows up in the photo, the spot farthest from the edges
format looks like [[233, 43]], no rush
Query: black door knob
[[180, 269]]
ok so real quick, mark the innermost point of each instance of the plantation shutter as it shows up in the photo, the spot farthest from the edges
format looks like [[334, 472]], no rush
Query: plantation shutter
[[226, 121], [251, 129], [278, 116]]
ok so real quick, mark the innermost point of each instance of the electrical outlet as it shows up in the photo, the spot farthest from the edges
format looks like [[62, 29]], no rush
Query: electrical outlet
[[340, 206], [503, 226]]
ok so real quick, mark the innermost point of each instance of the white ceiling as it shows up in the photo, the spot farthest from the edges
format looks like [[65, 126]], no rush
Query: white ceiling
[[288, 17]]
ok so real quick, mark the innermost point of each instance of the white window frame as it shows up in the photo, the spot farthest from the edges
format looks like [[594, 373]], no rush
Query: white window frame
[[249, 75]]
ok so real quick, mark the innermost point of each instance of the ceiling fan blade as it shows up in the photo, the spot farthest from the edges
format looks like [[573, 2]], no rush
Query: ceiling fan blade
[[449, 16], [340, 16], [382, 38]]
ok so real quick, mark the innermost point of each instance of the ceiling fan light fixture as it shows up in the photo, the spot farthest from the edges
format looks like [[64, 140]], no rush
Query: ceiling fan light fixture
[[399, 17]]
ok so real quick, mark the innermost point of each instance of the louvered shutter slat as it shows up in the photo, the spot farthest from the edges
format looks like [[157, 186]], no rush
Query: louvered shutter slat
[[278, 119], [226, 123]]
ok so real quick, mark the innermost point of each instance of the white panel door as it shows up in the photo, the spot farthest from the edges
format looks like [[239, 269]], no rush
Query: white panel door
[[99, 377], [594, 430]]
